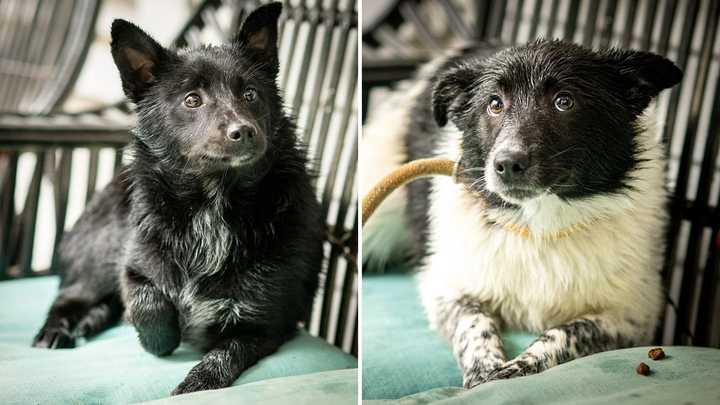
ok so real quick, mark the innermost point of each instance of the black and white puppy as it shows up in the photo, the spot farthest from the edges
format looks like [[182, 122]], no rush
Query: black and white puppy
[[556, 222], [211, 235]]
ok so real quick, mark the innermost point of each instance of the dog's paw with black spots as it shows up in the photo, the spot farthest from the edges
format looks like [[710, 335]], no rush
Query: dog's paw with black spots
[[512, 369], [479, 374]]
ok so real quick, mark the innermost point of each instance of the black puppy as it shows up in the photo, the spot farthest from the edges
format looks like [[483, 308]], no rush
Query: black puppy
[[211, 235]]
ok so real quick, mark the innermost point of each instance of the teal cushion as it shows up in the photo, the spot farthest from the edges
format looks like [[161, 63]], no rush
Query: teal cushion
[[688, 376], [401, 355], [337, 387], [113, 368]]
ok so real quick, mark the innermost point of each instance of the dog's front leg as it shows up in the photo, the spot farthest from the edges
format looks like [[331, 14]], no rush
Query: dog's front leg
[[155, 318], [474, 336], [570, 341], [222, 365]]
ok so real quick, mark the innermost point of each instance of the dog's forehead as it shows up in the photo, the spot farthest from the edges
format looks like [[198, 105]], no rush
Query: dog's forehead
[[217, 64], [540, 66]]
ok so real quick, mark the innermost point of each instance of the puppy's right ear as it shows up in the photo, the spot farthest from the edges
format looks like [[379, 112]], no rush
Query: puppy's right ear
[[451, 92], [137, 56]]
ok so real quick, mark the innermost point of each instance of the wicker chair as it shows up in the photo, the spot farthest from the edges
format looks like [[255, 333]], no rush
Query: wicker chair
[[42, 48], [397, 35]]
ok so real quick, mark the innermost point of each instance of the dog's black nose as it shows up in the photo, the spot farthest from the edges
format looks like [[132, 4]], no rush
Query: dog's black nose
[[241, 133], [511, 165]]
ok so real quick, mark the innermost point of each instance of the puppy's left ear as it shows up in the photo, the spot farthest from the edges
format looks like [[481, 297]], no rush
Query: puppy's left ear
[[138, 57], [259, 32], [450, 93], [649, 74]]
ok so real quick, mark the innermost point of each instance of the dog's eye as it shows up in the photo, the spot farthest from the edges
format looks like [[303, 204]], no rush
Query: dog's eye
[[250, 94], [496, 106], [193, 100], [564, 102]]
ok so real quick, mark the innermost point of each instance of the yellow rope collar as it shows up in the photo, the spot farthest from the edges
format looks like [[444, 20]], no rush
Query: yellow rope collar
[[442, 167]]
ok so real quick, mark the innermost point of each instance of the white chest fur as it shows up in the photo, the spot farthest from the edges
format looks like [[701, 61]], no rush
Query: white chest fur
[[611, 266], [198, 313]]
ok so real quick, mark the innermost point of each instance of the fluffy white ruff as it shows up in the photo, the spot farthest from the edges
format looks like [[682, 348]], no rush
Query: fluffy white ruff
[[609, 268]]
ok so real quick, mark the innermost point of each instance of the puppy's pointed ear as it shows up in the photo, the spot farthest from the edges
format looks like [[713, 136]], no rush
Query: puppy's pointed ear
[[259, 32], [451, 92], [137, 56], [647, 73]]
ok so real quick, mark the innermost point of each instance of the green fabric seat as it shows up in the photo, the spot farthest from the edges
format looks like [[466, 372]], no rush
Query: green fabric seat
[[689, 376], [403, 358], [113, 367], [401, 355]]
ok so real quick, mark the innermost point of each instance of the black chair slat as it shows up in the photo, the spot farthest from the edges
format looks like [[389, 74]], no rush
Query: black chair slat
[[629, 24], [517, 21], [571, 23], [681, 61], [497, 18], [482, 16], [590, 22], [29, 217], [689, 276], [535, 19], [117, 164], [688, 28], [648, 25], [7, 210], [92, 174], [709, 288], [354, 349], [666, 26], [709, 291], [61, 188], [552, 21], [350, 271], [606, 33]]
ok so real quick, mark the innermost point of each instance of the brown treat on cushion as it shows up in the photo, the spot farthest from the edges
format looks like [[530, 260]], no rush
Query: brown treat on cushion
[[643, 369], [657, 353]]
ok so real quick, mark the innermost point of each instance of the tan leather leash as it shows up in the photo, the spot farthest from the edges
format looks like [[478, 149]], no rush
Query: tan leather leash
[[421, 168], [404, 174]]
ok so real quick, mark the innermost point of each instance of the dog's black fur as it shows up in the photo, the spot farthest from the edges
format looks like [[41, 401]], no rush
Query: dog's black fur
[[585, 151], [211, 235]]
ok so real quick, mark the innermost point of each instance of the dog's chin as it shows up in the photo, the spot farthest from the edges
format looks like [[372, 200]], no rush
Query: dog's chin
[[218, 162], [516, 195]]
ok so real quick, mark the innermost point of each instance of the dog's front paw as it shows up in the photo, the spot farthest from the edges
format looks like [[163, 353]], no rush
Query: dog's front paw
[[479, 372], [200, 378], [54, 337], [512, 369], [159, 341]]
